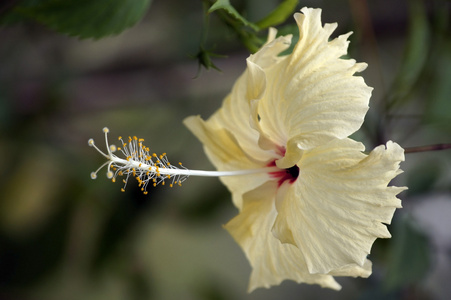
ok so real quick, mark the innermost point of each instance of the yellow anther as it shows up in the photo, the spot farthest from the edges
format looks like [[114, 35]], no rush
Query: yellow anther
[[145, 166], [145, 192]]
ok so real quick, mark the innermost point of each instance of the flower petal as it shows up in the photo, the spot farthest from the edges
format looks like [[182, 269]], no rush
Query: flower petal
[[226, 154], [336, 208], [354, 270], [311, 95], [272, 261], [238, 113], [229, 135]]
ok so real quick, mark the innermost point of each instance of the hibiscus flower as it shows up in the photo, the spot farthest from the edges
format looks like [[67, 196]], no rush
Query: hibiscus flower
[[318, 202]]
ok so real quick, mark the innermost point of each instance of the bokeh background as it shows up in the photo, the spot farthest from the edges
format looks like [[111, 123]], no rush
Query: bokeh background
[[65, 236]]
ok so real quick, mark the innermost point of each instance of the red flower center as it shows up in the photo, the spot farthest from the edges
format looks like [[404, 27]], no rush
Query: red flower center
[[290, 174]]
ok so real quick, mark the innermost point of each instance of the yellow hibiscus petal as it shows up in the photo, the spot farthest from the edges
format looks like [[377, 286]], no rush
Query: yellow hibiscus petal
[[238, 113], [311, 95], [354, 270], [336, 208], [271, 261], [269, 54], [226, 154]]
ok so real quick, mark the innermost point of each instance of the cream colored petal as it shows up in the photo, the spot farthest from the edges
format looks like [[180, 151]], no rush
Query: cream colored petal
[[229, 137], [269, 54], [338, 205], [238, 113], [354, 270], [235, 114], [311, 95], [271, 261], [224, 152]]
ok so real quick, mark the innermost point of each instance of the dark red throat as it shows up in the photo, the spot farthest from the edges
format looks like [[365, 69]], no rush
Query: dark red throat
[[290, 174]]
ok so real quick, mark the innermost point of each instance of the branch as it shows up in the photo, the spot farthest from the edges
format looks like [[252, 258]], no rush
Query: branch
[[428, 148]]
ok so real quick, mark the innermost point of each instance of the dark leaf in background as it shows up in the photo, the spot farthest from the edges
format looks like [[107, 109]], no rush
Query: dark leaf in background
[[18, 268], [124, 217], [423, 177], [81, 18], [439, 91], [415, 54], [410, 255]]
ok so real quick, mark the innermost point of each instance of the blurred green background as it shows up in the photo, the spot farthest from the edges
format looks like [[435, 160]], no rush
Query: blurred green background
[[65, 236]]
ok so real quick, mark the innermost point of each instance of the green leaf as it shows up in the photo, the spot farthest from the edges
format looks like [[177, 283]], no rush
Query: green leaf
[[83, 18], [410, 257], [279, 14], [439, 88], [225, 5], [415, 53], [424, 176]]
